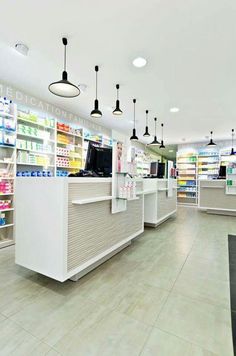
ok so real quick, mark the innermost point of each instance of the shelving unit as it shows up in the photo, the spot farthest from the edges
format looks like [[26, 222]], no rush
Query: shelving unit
[[35, 145], [69, 150], [208, 164], [7, 170], [231, 178], [187, 192]]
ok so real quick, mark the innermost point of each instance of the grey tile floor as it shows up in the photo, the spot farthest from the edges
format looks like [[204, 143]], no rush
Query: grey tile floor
[[165, 295]]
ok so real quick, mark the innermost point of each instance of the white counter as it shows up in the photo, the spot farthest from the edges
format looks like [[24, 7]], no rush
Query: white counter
[[64, 226], [213, 198], [160, 200]]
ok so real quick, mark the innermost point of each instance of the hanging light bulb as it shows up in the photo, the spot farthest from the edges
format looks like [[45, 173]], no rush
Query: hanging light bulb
[[117, 110], [146, 133], [134, 137], [162, 146], [155, 142], [63, 87], [96, 112], [211, 143], [232, 149]]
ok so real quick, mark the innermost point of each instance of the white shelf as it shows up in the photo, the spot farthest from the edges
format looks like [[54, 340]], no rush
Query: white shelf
[[35, 123], [4, 194], [162, 189], [7, 225], [2, 161], [36, 137], [4, 114], [36, 152], [6, 242], [91, 200], [68, 167], [7, 146], [69, 133], [34, 164], [7, 178], [3, 210]]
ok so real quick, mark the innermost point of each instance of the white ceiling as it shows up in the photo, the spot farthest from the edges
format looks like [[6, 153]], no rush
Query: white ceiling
[[190, 47]]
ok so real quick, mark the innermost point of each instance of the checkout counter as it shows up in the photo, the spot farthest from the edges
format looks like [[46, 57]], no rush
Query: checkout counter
[[65, 226], [214, 198]]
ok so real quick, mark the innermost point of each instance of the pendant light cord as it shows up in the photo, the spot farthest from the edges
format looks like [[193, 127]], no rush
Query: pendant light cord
[[146, 117], [155, 126], [134, 101], [162, 131], [65, 59], [117, 88], [232, 138], [96, 84]]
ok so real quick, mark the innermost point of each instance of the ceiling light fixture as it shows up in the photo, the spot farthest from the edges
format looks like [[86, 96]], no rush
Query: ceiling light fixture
[[162, 146], [96, 112], [117, 110], [155, 142], [232, 149], [22, 48], [139, 62], [134, 137], [146, 133], [63, 87], [174, 109], [211, 143]]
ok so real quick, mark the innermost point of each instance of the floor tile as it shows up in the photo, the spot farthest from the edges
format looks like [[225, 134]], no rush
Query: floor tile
[[116, 334], [197, 322], [51, 322], [16, 341], [161, 343], [139, 301]]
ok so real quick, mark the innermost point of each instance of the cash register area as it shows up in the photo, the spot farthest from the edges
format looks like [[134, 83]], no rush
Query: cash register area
[[118, 181]]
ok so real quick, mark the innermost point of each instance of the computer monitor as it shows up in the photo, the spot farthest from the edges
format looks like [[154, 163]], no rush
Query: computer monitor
[[154, 169], [222, 172], [161, 170], [99, 160]]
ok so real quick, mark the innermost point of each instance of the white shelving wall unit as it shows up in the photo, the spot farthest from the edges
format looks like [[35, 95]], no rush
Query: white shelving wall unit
[[7, 171], [69, 149], [35, 144], [187, 193]]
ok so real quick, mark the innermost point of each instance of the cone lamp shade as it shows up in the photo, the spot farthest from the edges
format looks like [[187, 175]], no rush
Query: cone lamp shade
[[146, 133], [117, 110], [211, 143], [232, 153], [134, 136], [96, 113], [63, 87], [162, 146], [155, 142]]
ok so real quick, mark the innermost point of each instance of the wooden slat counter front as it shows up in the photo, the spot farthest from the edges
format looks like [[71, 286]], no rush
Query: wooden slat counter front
[[64, 226], [213, 197]]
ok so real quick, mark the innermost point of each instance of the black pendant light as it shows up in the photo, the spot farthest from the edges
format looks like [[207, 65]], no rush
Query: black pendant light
[[232, 149], [155, 142], [146, 133], [134, 137], [162, 146], [63, 87], [211, 143], [96, 112], [117, 110]]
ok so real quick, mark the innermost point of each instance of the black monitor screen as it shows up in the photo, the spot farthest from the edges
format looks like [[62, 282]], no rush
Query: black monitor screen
[[99, 160]]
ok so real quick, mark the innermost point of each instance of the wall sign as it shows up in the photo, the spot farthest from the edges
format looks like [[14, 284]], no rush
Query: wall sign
[[34, 103]]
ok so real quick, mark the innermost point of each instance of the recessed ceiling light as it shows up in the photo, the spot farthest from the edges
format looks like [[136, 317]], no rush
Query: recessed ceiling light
[[22, 48], [171, 150], [139, 62], [174, 109]]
